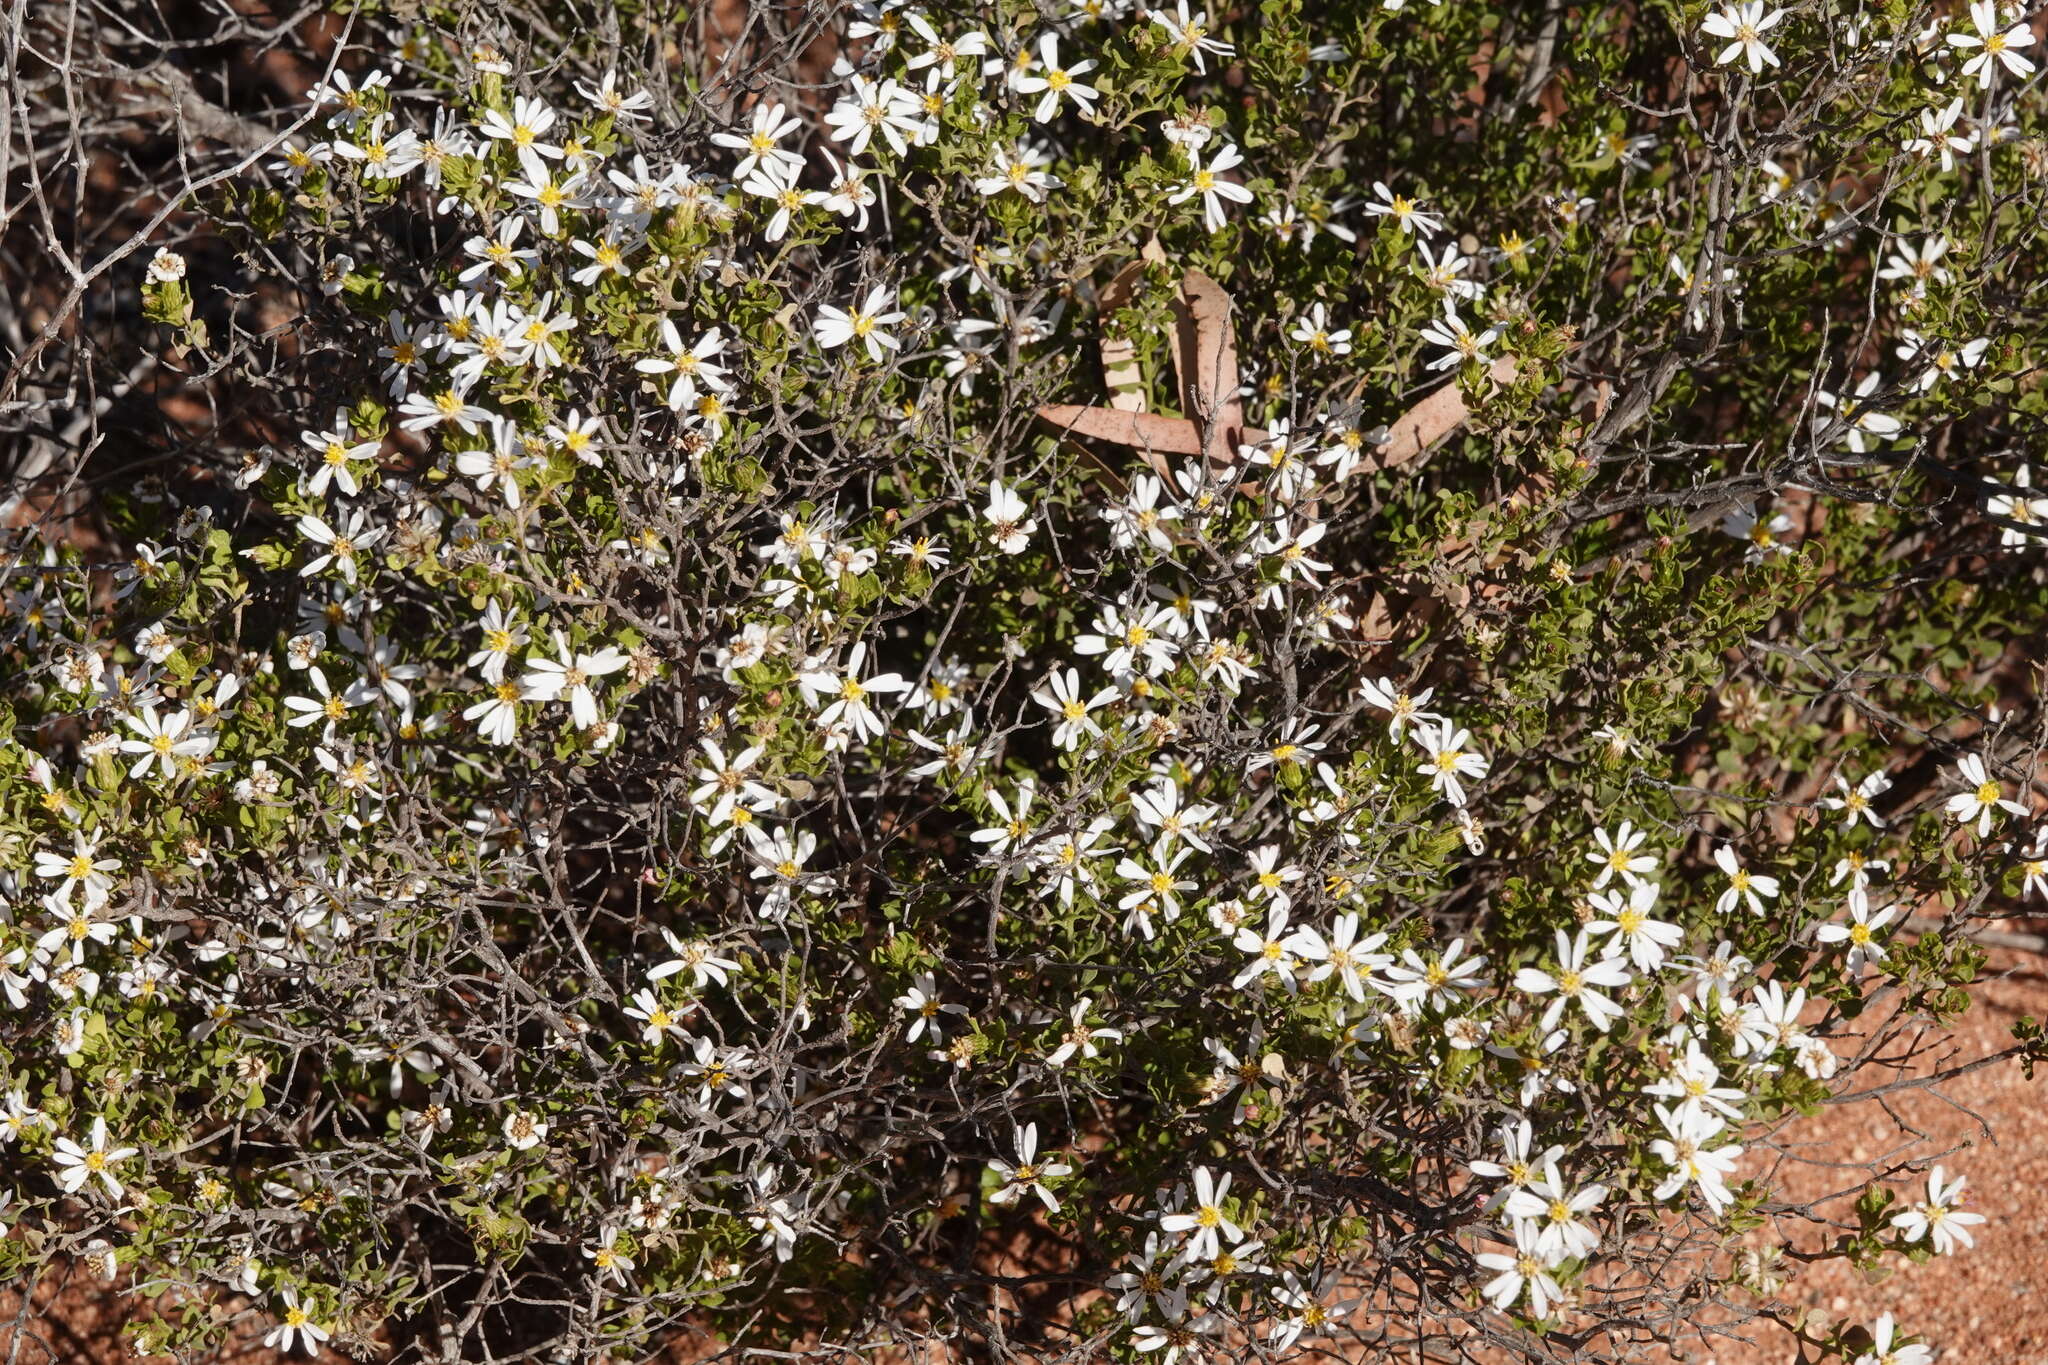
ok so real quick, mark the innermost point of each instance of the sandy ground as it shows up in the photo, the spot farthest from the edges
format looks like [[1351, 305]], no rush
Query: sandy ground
[[1984, 1305]]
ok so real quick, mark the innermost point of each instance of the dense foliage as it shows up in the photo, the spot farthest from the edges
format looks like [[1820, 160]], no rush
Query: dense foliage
[[1085, 683]]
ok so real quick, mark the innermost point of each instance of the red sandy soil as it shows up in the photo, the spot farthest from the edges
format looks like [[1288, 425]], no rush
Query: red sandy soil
[[1987, 1305]]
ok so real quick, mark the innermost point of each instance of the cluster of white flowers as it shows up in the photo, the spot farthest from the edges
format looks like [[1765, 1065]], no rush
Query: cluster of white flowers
[[1862, 419], [1993, 41], [1139, 764]]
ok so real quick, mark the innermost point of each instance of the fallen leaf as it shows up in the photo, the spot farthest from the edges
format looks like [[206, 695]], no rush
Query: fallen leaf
[[1205, 361], [1120, 372], [1139, 430], [1435, 417]]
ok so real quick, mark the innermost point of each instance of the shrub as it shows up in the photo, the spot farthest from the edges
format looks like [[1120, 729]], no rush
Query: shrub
[[1086, 684]]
